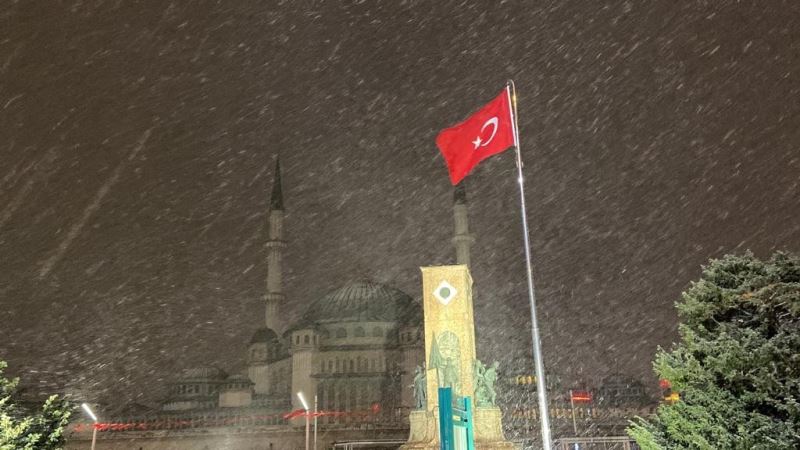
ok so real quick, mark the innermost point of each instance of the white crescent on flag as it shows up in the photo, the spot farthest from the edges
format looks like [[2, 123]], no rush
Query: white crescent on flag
[[480, 143]]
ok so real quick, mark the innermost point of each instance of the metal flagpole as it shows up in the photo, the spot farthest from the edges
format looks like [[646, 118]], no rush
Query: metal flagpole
[[572, 405], [537, 345]]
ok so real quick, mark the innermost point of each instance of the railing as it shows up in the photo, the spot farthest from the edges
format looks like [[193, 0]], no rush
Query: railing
[[597, 412], [350, 445], [185, 422], [360, 420], [596, 443], [367, 419]]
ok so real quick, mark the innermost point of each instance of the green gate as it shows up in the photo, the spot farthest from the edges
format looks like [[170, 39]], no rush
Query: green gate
[[455, 422]]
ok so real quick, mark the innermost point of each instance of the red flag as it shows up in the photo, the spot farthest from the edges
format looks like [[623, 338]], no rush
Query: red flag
[[487, 132], [580, 396]]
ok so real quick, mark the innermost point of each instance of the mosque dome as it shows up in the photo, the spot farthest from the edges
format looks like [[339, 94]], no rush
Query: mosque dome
[[362, 301], [263, 334]]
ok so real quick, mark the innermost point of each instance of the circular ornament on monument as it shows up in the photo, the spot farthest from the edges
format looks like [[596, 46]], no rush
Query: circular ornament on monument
[[445, 293]]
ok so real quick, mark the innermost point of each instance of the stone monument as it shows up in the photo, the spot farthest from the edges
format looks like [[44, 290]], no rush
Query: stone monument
[[451, 362]]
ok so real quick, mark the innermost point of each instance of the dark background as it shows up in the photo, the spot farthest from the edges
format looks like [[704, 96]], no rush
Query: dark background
[[655, 137]]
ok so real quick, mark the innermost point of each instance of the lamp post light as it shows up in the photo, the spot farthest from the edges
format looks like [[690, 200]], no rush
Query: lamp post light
[[308, 423], [577, 396], [89, 412], [574, 423]]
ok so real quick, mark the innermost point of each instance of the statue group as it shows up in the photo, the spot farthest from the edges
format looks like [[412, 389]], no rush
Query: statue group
[[420, 388], [445, 356], [484, 379]]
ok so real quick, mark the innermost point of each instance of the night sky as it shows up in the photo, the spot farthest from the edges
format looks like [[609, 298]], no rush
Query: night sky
[[137, 141]]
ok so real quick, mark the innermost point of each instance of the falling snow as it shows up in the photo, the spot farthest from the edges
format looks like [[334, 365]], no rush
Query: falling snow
[[136, 146]]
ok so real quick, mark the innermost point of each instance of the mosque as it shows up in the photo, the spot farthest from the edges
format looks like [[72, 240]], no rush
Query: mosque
[[352, 354]]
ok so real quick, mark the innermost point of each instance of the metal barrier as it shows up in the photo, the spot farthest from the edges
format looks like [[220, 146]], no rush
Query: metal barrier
[[350, 445], [596, 443]]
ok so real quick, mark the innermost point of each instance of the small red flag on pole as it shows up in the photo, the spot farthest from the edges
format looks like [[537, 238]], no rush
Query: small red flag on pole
[[580, 396], [487, 132]]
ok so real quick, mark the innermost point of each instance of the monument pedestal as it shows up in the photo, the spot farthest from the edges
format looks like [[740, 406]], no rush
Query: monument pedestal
[[424, 434], [489, 429]]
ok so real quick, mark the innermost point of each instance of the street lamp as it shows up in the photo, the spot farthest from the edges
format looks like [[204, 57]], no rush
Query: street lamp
[[305, 406], [315, 421], [94, 418]]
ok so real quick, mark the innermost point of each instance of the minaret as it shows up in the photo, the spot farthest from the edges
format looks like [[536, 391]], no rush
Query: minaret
[[274, 297], [462, 240]]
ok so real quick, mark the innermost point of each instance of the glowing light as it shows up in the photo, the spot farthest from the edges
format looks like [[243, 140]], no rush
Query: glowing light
[[524, 379], [303, 400], [581, 396], [89, 411]]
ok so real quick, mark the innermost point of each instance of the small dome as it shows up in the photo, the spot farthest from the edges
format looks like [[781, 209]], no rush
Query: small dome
[[362, 301], [263, 335]]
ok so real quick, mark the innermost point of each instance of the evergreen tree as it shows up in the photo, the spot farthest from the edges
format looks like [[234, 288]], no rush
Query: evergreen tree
[[40, 431], [737, 365]]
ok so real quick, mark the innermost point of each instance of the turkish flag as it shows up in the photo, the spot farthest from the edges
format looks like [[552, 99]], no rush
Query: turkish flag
[[487, 132]]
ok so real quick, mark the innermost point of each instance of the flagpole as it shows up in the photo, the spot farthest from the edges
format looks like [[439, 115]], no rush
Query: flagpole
[[537, 345]]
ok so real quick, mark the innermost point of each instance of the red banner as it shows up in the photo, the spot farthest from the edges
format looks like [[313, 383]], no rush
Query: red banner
[[580, 396]]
